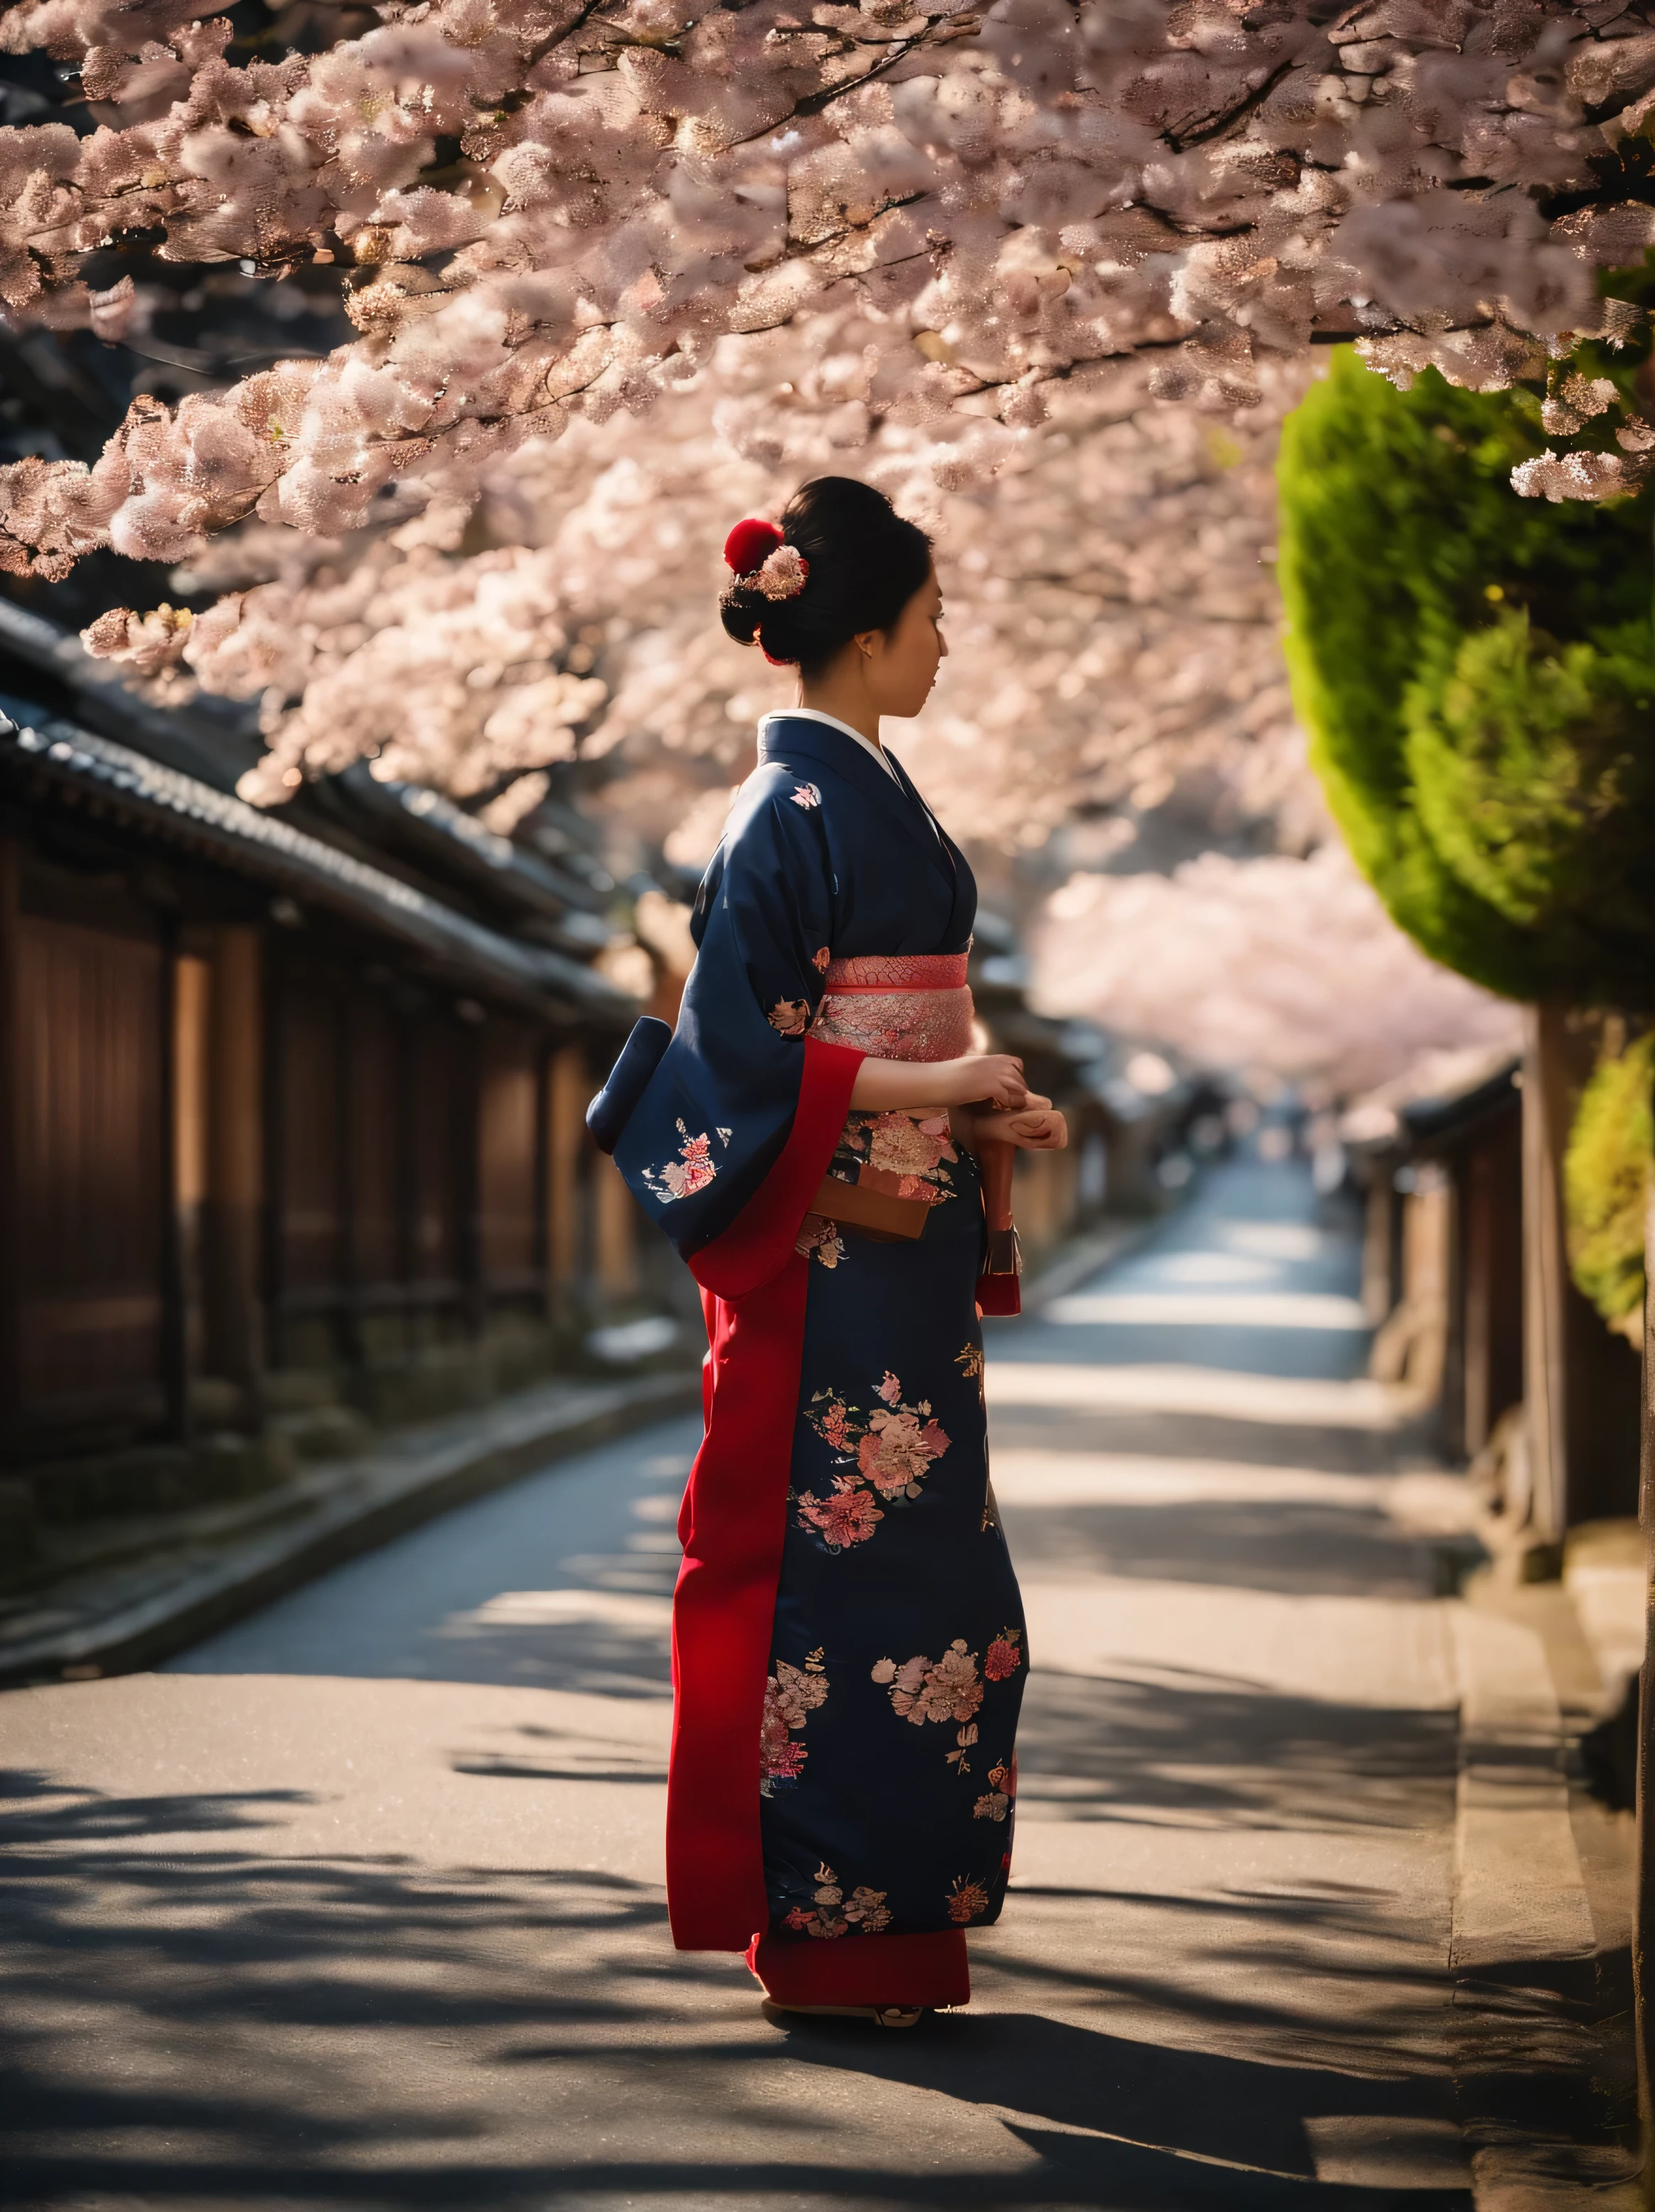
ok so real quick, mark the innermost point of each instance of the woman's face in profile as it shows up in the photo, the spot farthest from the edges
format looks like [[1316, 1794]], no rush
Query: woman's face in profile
[[903, 667]]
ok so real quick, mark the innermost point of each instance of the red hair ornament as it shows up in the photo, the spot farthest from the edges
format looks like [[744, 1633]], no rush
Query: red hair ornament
[[747, 544], [764, 562]]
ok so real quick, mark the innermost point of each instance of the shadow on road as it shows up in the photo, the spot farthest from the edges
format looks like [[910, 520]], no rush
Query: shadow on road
[[439, 1974], [237, 2030], [1090, 1749], [1305, 1550]]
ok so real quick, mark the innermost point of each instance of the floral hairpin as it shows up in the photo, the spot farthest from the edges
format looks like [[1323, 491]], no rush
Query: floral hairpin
[[763, 561]]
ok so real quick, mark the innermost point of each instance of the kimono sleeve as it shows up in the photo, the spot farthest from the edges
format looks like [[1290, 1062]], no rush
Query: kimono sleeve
[[720, 1108]]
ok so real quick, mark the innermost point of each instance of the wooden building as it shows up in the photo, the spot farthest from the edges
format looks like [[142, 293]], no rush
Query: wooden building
[[1467, 1279], [290, 1101], [1443, 1252]]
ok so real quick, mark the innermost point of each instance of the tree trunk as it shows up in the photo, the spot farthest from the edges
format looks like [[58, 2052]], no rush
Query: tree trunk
[[1644, 1910], [1579, 1379], [1545, 1132]]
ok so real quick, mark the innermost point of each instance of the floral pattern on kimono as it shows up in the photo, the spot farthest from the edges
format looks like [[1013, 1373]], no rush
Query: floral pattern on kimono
[[997, 1803], [821, 1237], [969, 1360], [791, 1696], [948, 1689], [922, 1689], [890, 1451], [967, 1900], [692, 1171], [918, 1148], [831, 1913]]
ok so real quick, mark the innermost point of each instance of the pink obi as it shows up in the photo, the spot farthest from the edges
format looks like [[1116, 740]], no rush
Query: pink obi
[[902, 1006]]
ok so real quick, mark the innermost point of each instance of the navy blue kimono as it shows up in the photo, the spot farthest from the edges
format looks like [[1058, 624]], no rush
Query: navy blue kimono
[[849, 1635]]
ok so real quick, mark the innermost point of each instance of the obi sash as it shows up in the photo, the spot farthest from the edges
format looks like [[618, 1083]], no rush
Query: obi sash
[[915, 1007], [898, 1006]]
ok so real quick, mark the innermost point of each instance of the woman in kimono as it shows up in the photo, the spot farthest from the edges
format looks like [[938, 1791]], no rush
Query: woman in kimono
[[849, 1644]]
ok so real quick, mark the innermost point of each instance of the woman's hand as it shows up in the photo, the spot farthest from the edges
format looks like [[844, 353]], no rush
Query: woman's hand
[[996, 1077], [1036, 1127], [895, 1086]]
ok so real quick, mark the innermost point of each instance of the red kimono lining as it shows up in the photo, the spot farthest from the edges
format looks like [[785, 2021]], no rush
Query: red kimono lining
[[733, 1527], [865, 1969], [733, 1524]]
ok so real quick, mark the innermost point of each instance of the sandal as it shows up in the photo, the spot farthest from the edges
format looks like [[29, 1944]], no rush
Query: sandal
[[881, 2016]]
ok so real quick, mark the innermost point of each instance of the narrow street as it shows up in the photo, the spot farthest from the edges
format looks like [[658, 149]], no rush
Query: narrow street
[[359, 1904]]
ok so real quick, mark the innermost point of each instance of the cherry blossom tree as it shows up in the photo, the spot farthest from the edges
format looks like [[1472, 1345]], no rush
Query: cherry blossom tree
[[1278, 963], [1112, 615], [549, 209], [1048, 273]]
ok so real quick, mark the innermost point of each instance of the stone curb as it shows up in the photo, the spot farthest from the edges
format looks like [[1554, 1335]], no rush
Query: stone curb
[[367, 1502], [1523, 2018]]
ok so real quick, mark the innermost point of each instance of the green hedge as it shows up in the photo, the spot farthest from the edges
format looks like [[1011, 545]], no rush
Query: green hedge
[[1478, 674], [1606, 1177]]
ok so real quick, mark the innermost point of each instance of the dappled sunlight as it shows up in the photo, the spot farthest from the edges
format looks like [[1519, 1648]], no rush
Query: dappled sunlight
[[1248, 1310], [377, 2028], [367, 1893], [1222, 1393]]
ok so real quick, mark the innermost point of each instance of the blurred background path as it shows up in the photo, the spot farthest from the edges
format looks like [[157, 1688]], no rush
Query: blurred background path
[[359, 1903]]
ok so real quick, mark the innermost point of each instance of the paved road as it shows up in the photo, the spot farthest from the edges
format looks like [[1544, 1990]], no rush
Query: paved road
[[358, 1905]]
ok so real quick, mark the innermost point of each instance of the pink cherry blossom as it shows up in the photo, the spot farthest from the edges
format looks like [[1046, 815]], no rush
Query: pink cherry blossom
[[1278, 963], [1010, 200]]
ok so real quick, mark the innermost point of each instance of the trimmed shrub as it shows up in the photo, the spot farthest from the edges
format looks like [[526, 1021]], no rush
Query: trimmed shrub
[[1478, 674], [1606, 1180]]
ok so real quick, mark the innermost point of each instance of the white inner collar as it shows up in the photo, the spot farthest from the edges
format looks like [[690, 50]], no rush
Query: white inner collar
[[815, 714]]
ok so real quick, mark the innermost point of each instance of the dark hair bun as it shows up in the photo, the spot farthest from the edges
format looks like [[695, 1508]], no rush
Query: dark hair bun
[[864, 563]]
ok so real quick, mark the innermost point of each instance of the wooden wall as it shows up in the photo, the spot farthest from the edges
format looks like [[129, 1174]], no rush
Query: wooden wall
[[91, 1198], [88, 1166], [226, 1148], [410, 1160]]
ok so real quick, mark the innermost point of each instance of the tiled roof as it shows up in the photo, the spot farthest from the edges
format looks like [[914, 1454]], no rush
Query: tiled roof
[[250, 840]]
